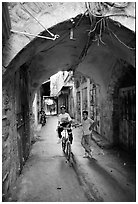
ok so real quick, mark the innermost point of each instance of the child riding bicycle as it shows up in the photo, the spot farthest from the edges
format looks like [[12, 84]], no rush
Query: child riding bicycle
[[64, 120]]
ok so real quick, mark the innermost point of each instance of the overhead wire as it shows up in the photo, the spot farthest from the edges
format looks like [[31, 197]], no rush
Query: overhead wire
[[54, 36], [65, 34], [37, 20], [106, 16], [103, 19], [80, 18], [119, 14], [39, 36], [131, 48], [100, 36], [110, 31], [90, 31]]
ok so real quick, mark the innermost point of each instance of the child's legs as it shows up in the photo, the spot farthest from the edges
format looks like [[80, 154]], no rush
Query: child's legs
[[60, 129], [87, 143], [70, 135], [83, 141]]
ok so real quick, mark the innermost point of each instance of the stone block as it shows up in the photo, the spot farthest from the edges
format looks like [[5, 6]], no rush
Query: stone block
[[5, 122], [3, 112], [4, 154], [5, 150], [5, 136], [5, 166], [7, 106], [5, 186], [5, 130]]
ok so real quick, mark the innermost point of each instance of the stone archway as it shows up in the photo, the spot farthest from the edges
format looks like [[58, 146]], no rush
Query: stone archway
[[92, 57], [43, 58]]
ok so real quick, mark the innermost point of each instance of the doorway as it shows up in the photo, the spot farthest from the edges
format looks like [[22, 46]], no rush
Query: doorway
[[127, 124]]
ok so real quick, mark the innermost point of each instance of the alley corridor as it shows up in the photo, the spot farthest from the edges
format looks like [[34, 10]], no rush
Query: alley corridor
[[47, 177], [81, 55]]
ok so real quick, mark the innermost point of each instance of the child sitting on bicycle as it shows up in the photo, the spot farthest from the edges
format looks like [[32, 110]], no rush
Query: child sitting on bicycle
[[87, 125], [64, 120]]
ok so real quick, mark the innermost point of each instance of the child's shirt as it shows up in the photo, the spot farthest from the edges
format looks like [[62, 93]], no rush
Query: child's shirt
[[63, 118], [86, 125]]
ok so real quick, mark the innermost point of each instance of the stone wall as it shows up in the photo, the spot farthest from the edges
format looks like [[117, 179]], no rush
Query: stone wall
[[11, 139], [10, 160], [123, 75]]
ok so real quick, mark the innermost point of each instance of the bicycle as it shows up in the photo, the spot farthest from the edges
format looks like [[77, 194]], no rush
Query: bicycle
[[66, 145]]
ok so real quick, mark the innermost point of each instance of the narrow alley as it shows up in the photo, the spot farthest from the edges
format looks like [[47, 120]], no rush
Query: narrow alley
[[48, 177], [77, 59]]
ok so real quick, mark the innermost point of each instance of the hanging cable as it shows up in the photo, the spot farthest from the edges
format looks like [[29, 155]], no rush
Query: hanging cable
[[110, 15], [131, 48], [37, 20], [91, 31], [110, 31], [39, 36], [100, 36], [80, 19]]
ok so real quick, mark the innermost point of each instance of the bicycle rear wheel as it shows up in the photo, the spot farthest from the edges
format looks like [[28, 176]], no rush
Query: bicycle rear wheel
[[68, 152]]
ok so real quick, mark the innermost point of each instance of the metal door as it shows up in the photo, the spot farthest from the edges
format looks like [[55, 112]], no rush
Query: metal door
[[127, 129]]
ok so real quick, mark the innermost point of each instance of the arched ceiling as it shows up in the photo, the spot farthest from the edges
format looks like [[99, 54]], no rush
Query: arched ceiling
[[44, 58], [23, 15], [92, 56], [27, 17]]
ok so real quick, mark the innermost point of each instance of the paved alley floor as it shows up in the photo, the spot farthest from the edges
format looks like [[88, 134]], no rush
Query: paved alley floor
[[47, 177], [110, 175]]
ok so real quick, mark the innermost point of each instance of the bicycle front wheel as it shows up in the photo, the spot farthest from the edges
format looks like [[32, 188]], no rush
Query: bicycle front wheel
[[68, 152], [63, 144]]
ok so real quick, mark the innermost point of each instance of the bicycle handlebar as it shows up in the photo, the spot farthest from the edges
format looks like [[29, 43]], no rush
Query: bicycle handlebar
[[66, 128]]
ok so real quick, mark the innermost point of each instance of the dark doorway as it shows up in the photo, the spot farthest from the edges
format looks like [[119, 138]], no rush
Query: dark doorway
[[22, 114]]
